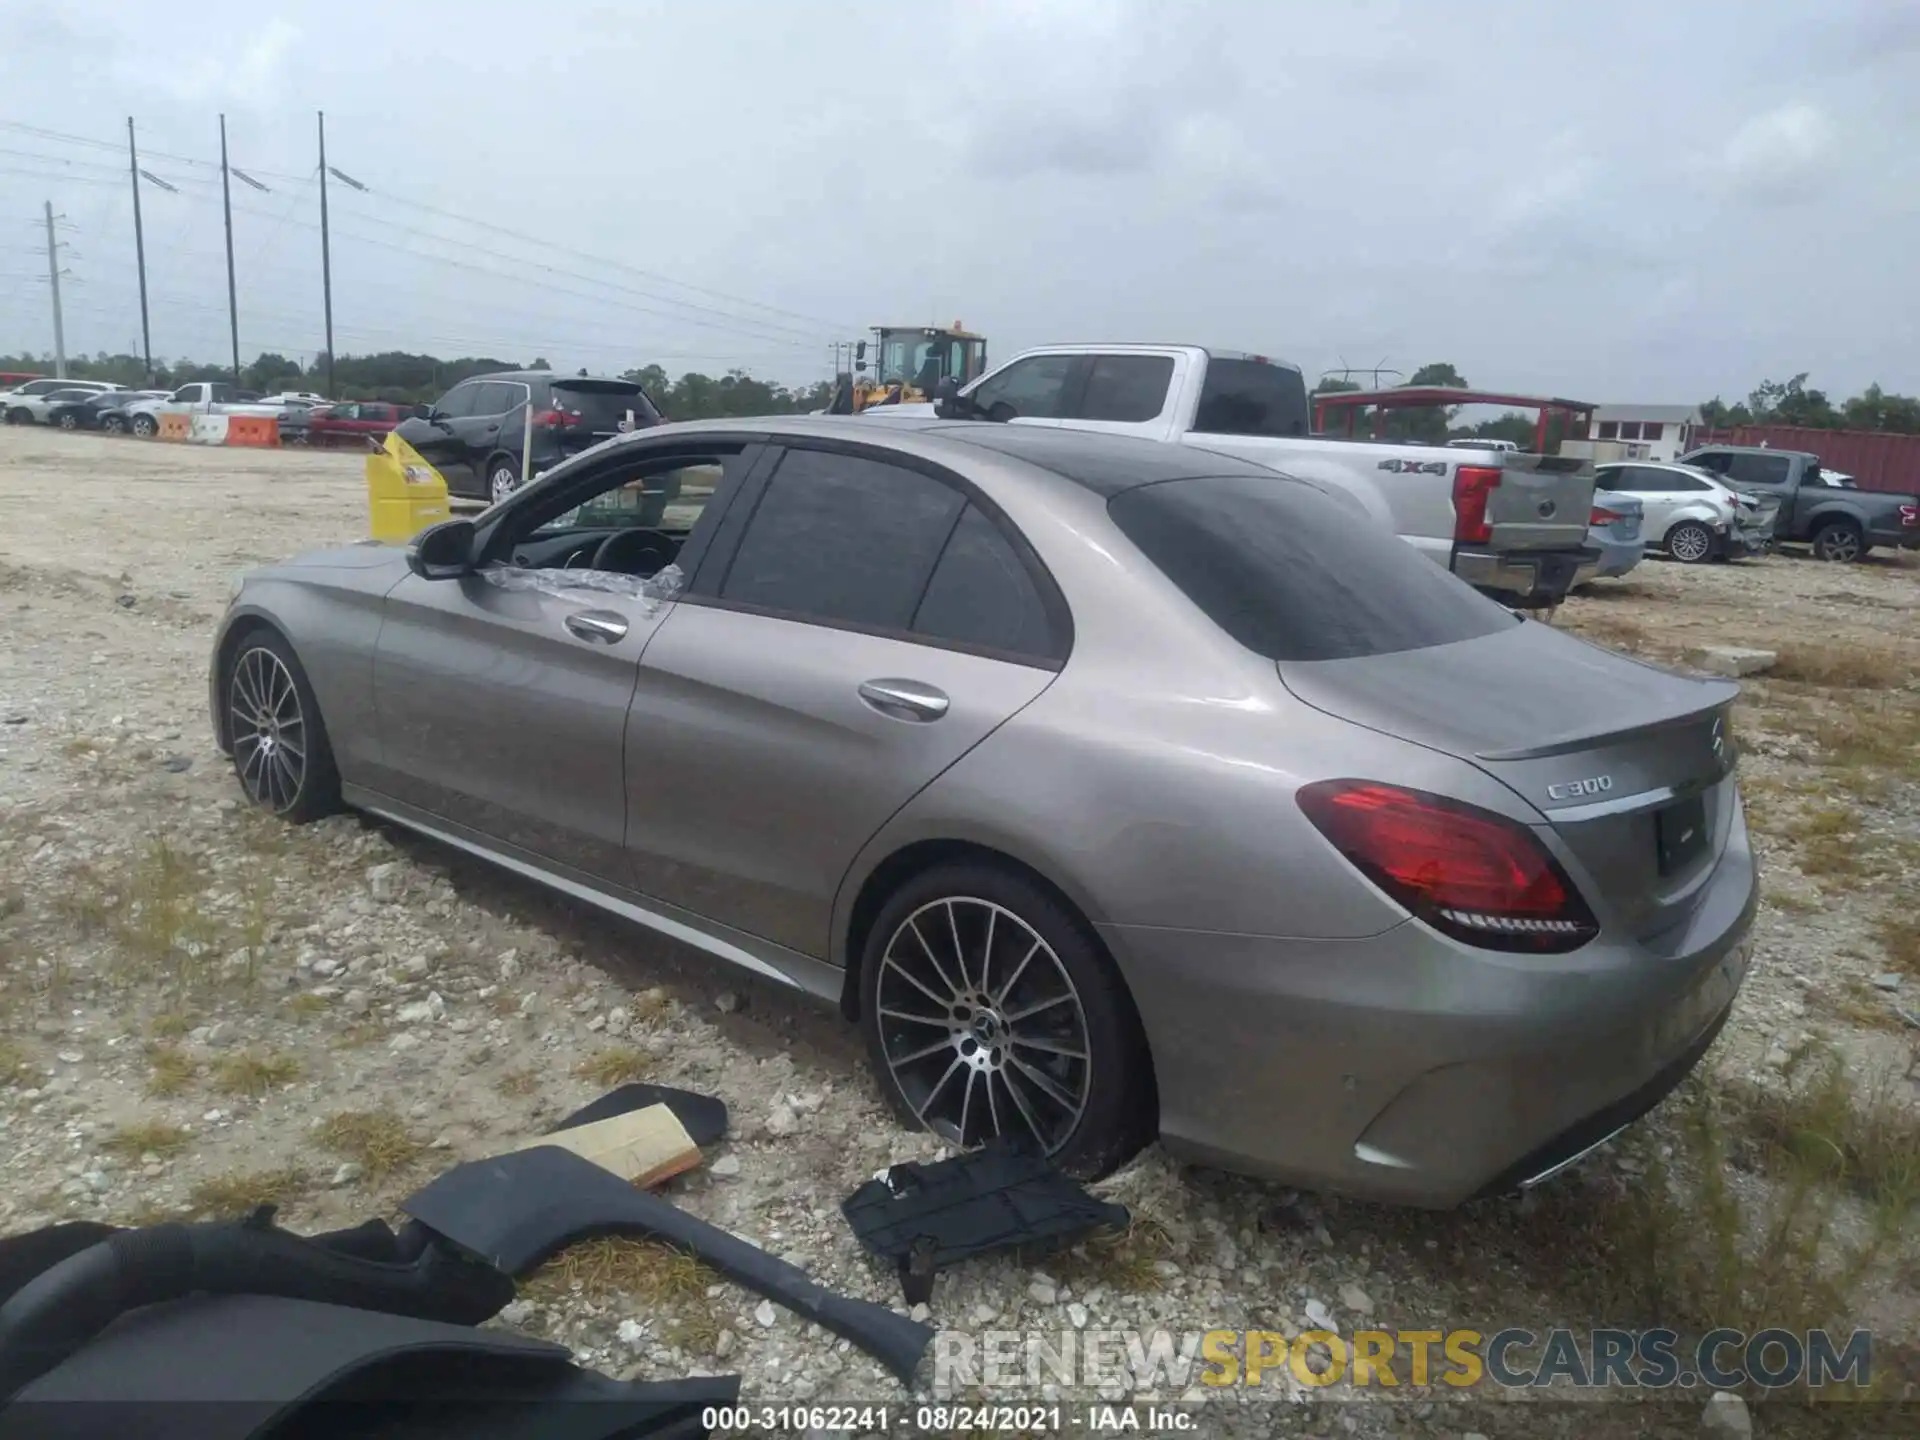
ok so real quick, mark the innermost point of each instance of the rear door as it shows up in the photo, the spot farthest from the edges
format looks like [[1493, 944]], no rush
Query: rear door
[[868, 622], [1126, 394]]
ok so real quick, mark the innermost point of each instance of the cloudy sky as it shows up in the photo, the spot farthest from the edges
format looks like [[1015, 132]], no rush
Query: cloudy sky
[[1656, 200]]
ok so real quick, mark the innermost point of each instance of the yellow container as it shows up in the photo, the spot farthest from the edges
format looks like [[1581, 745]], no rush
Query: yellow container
[[404, 493]]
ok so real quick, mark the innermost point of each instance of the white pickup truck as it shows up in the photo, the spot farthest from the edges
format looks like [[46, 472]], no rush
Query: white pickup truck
[[1506, 522], [203, 397]]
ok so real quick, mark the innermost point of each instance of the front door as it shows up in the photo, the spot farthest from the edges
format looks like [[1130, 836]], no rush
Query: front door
[[870, 626], [438, 440], [502, 696]]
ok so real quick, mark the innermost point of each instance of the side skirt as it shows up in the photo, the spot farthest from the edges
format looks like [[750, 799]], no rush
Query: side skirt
[[749, 952]]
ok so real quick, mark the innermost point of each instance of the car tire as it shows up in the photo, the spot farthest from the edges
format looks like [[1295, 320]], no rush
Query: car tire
[[1001, 1058], [503, 477], [68, 420], [113, 424], [145, 426], [1690, 542], [18, 416], [1839, 541], [281, 754]]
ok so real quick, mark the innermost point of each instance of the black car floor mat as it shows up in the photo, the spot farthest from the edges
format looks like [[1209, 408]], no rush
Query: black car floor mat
[[703, 1117], [1002, 1196], [237, 1367], [515, 1210]]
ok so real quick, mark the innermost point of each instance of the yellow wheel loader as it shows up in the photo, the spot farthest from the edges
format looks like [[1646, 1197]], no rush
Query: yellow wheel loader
[[911, 362]]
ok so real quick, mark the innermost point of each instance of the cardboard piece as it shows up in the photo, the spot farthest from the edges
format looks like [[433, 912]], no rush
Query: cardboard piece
[[644, 1146]]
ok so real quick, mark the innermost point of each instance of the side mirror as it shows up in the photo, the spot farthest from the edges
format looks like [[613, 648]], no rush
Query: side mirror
[[443, 551], [947, 403]]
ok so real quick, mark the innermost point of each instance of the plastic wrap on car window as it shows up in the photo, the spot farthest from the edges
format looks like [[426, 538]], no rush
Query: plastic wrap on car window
[[655, 590]]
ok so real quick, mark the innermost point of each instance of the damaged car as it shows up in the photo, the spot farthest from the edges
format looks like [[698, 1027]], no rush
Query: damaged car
[[1115, 789]]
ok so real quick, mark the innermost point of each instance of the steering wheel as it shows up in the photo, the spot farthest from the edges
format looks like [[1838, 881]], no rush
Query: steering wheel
[[634, 552]]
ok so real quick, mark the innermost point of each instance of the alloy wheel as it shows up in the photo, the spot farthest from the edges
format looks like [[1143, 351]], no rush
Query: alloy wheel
[[981, 1026], [1838, 543], [269, 733], [1689, 544], [69, 422], [503, 482]]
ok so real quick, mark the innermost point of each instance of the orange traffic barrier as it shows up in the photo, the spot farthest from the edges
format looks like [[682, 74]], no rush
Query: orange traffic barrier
[[175, 427], [252, 430]]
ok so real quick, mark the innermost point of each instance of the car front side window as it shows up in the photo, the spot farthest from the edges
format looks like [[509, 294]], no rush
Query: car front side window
[[844, 540], [1032, 389]]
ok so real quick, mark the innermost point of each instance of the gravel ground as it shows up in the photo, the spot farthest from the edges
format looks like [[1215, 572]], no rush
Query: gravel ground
[[191, 994]]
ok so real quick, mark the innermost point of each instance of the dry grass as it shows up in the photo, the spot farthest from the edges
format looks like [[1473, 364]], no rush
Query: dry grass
[[669, 1285], [173, 1070], [239, 1193], [375, 1140], [1898, 932], [1699, 1242], [650, 1005], [155, 1137], [173, 1025], [1863, 1137], [253, 1075], [1833, 667], [1877, 736], [358, 1037], [306, 1006], [162, 927], [617, 1065], [1125, 1260], [518, 1082], [15, 1067]]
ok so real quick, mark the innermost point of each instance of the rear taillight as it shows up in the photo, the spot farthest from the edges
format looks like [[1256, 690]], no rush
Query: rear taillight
[[1469, 873], [1910, 514], [553, 419], [1603, 516], [1472, 485]]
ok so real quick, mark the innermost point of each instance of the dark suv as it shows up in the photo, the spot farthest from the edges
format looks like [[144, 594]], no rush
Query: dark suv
[[473, 434]]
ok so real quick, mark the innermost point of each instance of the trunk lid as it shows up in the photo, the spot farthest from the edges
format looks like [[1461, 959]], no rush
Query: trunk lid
[[1631, 765], [1628, 511], [1541, 503]]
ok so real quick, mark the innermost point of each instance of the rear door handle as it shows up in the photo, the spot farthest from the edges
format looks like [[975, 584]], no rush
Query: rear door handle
[[602, 626], [905, 699]]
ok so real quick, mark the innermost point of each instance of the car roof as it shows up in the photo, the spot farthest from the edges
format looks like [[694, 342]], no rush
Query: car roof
[[1104, 464], [551, 377], [1754, 450]]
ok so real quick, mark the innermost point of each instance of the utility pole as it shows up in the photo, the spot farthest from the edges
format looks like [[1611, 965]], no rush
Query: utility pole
[[326, 254], [53, 279], [140, 253], [233, 305]]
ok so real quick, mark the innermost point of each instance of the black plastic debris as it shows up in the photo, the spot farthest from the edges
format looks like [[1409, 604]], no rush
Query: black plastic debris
[[1002, 1196]]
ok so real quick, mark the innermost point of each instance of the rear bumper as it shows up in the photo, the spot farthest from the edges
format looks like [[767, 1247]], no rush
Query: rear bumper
[[1542, 575], [1409, 1069], [1896, 538], [1615, 559]]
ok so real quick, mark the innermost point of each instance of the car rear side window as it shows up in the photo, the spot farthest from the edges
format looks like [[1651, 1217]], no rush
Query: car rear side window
[[497, 397], [1126, 388], [982, 593], [1759, 469], [1251, 397], [843, 539], [1293, 575]]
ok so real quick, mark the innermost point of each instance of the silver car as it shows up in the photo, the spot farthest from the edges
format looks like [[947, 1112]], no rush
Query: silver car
[[1115, 789]]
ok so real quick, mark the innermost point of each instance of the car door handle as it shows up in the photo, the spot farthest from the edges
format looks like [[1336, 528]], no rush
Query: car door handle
[[597, 625], [905, 699]]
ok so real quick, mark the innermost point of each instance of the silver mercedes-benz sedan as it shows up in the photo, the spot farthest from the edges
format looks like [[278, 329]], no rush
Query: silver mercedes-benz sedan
[[1114, 789]]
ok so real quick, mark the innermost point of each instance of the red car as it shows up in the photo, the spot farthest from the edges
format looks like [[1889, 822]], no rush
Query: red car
[[351, 419]]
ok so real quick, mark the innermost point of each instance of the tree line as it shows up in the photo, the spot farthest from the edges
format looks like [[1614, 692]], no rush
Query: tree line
[[409, 379]]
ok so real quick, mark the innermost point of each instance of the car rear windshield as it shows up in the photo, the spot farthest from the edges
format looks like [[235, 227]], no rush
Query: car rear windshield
[[1251, 397], [1293, 574], [603, 404]]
